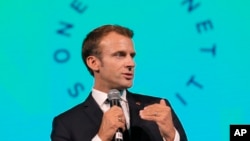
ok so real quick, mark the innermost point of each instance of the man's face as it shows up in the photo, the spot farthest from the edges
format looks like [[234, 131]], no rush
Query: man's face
[[116, 69]]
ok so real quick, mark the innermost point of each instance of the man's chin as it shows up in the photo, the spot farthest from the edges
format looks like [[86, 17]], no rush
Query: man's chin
[[125, 86], [129, 85]]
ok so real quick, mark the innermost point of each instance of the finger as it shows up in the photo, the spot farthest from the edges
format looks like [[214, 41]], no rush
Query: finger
[[148, 117], [121, 124], [115, 108], [116, 112], [123, 127], [121, 119], [152, 109], [149, 113], [162, 102]]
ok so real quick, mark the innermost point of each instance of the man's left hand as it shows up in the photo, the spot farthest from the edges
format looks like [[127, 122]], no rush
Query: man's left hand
[[161, 114]]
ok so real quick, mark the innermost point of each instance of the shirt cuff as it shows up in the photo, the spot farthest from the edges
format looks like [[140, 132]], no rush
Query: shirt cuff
[[176, 137], [96, 138]]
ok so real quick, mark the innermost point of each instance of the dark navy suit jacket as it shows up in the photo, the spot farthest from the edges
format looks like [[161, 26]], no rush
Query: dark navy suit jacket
[[82, 122]]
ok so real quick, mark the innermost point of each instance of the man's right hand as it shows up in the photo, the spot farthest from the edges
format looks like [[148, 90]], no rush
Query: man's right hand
[[111, 121]]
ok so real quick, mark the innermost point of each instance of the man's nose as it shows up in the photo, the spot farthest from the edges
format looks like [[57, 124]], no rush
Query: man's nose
[[130, 63]]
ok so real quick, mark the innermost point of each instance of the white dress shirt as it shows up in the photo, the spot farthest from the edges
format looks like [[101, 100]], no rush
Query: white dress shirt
[[101, 97]]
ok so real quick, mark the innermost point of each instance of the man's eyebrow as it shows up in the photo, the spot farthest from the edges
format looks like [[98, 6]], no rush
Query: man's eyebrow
[[120, 51]]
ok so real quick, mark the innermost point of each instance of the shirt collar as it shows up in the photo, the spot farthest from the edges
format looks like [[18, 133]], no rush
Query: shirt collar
[[99, 96], [123, 95]]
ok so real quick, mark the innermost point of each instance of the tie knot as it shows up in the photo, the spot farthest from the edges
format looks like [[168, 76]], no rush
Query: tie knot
[[106, 101]]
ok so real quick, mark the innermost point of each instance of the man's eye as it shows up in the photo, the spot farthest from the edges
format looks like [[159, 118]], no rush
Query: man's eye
[[120, 54]]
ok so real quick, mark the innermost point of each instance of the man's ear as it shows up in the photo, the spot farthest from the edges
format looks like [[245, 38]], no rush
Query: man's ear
[[93, 62]]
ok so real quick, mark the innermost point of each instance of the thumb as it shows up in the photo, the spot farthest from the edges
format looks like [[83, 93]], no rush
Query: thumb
[[162, 102]]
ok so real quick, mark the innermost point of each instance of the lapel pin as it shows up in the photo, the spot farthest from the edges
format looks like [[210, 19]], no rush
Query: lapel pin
[[138, 103]]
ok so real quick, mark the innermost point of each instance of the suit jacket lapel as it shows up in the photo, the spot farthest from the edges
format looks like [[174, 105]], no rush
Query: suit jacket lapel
[[92, 110], [134, 108]]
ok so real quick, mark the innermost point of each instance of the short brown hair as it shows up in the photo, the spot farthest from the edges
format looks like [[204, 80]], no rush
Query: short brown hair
[[90, 45]]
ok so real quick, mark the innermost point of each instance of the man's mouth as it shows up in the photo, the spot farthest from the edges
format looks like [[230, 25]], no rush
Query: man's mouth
[[128, 75]]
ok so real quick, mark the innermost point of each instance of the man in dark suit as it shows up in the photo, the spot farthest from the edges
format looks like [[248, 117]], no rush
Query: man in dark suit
[[108, 53]]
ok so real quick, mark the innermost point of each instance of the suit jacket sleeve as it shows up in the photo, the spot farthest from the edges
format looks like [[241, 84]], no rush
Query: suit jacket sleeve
[[59, 131], [177, 124]]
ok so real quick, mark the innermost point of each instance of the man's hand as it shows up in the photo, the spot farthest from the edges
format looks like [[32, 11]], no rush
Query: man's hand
[[161, 114], [111, 121]]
